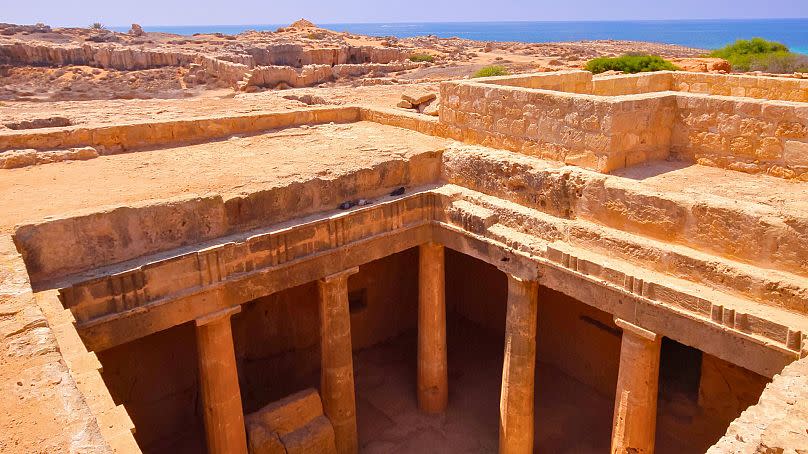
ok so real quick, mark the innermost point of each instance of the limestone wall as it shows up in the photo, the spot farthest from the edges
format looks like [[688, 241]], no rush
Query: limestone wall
[[309, 75], [776, 424], [633, 119], [589, 131], [106, 56], [126, 137], [750, 86], [567, 81], [742, 134], [631, 84], [296, 55]]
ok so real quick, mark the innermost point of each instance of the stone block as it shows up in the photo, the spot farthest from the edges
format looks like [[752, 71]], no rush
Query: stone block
[[290, 413]]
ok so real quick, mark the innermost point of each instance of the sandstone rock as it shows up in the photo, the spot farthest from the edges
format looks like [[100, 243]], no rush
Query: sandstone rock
[[302, 23], [136, 30], [14, 159], [417, 96], [404, 104], [432, 109]]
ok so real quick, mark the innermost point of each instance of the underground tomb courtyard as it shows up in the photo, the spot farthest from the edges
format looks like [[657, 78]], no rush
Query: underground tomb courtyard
[[504, 300]]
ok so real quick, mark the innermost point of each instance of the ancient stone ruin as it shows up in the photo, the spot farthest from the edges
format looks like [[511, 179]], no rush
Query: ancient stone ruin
[[556, 263]]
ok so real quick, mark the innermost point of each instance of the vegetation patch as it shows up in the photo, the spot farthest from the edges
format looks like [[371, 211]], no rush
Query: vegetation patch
[[630, 64], [422, 58], [490, 71], [758, 54]]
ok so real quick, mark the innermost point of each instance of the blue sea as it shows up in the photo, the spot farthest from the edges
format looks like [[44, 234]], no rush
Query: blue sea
[[706, 34]]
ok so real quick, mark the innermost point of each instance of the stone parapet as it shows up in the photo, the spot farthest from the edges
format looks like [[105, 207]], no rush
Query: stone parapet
[[614, 122]]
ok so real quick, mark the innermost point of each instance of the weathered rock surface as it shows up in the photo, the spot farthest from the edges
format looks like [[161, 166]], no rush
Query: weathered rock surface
[[416, 96], [136, 30], [778, 423]]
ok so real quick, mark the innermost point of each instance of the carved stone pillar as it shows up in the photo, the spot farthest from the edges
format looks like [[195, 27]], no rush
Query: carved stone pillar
[[518, 371], [433, 386], [635, 406], [218, 384], [337, 377]]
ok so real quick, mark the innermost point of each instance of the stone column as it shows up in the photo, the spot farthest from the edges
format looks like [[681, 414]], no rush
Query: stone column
[[336, 377], [635, 406], [433, 386], [518, 370], [218, 384]]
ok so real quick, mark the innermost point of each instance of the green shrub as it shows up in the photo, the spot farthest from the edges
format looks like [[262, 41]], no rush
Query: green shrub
[[490, 71], [630, 64], [97, 26], [758, 54], [422, 58]]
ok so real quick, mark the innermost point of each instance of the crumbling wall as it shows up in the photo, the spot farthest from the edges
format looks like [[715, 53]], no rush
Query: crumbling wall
[[309, 75], [106, 56], [777, 423]]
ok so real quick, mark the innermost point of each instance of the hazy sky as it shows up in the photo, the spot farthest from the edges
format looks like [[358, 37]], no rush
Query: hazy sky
[[228, 12]]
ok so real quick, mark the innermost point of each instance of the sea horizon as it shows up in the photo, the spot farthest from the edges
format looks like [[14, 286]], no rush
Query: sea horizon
[[698, 33]]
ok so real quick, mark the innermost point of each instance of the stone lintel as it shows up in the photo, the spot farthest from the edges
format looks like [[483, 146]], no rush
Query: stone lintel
[[636, 330], [218, 315], [507, 260], [341, 274]]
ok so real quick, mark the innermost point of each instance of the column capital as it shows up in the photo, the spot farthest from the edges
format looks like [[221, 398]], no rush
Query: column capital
[[636, 330], [218, 315], [341, 274], [516, 269]]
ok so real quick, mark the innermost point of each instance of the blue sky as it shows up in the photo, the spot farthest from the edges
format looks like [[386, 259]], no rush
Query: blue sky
[[168, 12]]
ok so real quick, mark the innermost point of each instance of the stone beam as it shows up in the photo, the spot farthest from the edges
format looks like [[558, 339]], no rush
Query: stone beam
[[750, 352], [118, 329]]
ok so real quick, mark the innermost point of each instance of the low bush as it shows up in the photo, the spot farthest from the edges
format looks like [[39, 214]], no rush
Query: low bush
[[630, 64], [758, 54], [490, 71], [422, 58]]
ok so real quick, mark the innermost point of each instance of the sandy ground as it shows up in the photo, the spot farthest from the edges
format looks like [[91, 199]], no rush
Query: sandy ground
[[275, 159], [214, 102]]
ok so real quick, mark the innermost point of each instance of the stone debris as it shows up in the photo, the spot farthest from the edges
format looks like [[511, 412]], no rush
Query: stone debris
[[417, 96], [424, 101], [14, 159], [136, 30]]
